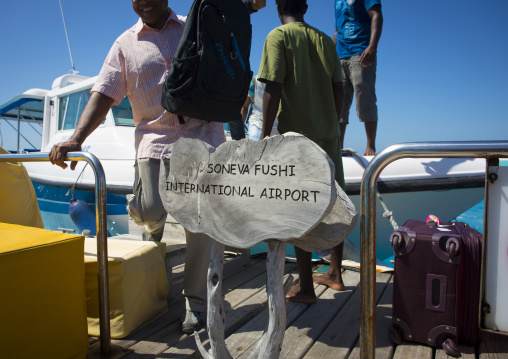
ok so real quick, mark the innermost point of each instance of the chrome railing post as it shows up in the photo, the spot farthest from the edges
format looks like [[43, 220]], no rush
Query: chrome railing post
[[470, 149], [19, 130], [102, 244]]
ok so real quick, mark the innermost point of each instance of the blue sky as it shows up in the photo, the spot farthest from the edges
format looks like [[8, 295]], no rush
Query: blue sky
[[442, 68]]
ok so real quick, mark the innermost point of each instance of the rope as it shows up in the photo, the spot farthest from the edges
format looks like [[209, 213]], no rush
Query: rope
[[387, 213], [73, 188]]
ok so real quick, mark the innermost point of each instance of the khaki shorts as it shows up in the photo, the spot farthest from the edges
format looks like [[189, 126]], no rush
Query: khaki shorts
[[361, 82], [145, 206]]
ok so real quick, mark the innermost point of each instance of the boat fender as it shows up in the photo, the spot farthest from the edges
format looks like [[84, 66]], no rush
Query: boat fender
[[83, 216]]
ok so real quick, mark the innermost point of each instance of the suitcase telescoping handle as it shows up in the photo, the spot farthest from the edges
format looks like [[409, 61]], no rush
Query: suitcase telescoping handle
[[433, 220]]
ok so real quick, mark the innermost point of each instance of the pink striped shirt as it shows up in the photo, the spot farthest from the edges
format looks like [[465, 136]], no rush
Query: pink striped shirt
[[136, 65]]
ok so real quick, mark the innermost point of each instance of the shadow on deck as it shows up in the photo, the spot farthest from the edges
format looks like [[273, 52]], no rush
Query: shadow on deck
[[326, 329]]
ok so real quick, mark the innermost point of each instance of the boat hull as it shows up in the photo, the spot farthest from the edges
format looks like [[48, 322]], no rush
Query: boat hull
[[446, 204], [54, 206], [410, 188]]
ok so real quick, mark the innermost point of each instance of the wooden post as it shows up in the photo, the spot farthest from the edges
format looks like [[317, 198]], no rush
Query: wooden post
[[216, 315], [279, 189], [270, 345]]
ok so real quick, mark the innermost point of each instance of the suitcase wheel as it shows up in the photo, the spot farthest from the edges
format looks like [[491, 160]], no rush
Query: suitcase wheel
[[396, 240], [452, 247], [395, 335], [451, 348]]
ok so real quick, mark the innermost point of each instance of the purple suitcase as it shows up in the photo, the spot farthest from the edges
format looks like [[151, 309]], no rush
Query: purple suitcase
[[436, 284]]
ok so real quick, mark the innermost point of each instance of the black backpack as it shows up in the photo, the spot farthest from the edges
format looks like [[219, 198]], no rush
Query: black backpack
[[210, 72]]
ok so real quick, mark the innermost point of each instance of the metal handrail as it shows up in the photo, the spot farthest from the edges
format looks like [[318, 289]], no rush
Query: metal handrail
[[102, 244], [468, 149]]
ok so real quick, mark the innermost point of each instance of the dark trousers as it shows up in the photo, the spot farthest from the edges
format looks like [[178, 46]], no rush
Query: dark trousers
[[237, 129]]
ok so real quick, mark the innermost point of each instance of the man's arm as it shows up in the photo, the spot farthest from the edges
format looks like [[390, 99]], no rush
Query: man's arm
[[369, 55], [258, 4], [271, 100], [95, 111]]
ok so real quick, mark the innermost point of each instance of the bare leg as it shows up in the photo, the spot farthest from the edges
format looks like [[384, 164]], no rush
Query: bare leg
[[370, 130], [303, 293], [333, 278]]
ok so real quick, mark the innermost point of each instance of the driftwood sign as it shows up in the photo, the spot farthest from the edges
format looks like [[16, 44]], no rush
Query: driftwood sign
[[247, 191], [278, 189]]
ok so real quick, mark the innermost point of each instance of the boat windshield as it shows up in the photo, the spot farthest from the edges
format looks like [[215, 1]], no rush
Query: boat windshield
[[72, 106], [123, 113]]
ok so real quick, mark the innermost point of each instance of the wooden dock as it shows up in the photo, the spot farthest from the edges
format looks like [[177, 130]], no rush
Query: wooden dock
[[326, 329]]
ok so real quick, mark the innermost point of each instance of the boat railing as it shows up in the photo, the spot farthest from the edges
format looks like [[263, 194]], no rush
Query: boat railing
[[30, 120], [468, 149], [102, 245]]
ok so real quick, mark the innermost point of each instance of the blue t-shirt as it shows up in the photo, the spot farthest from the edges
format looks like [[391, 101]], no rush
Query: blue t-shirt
[[353, 24]]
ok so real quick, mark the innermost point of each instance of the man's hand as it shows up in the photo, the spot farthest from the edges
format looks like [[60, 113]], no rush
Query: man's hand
[[60, 150], [258, 4], [95, 111], [368, 57]]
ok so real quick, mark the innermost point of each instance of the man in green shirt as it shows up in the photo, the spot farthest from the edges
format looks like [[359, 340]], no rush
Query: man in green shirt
[[303, 77]]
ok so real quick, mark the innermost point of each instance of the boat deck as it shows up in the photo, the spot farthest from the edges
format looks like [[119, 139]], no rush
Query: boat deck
[[326, 329]]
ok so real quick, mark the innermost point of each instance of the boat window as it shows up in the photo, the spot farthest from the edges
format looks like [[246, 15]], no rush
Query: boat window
[[71, 108], [123, 113]]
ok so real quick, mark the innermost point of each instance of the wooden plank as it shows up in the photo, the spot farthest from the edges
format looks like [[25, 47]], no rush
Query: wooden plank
[[308, 328], [157, 342], [303, 324], [494, 346], [467, 352], [384, 346], [232, 267], [242, 343], [242, 253], [244, 302], [175, 309], [251, 304], [117, 352], [343, 332], [412, 351], [236, 276]]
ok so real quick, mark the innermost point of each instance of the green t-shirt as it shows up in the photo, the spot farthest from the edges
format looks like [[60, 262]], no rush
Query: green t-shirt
[[303, 59]]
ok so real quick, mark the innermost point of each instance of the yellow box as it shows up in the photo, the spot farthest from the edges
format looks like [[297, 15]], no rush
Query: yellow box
[[42, 305], [138, 285]]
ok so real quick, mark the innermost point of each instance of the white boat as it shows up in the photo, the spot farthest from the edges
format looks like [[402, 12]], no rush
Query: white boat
[[57, 112], [410, 188]]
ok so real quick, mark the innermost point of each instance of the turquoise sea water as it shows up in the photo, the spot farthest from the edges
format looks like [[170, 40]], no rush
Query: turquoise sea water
[[473, 217]]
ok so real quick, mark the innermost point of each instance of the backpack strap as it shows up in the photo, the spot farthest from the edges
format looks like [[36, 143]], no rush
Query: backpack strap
[[180, 119]]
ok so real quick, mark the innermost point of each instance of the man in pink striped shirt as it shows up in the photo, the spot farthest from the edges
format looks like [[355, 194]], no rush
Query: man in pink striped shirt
[[136, 66]]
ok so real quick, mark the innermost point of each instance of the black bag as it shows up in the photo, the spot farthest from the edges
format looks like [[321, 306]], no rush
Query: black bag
[[210, 73]]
